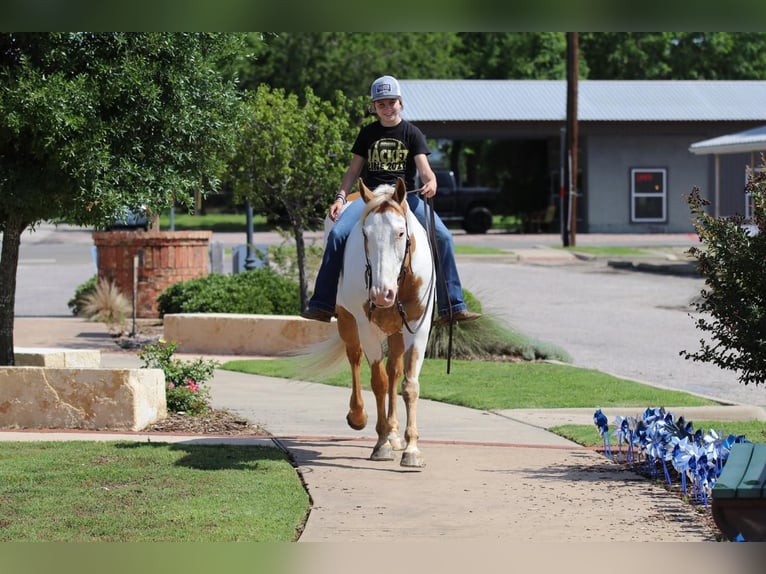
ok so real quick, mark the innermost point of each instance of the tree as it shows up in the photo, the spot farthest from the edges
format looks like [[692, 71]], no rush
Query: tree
[[91, 123], [291, 157], [347, 61], [514, 55], [732, 307], [674, 55]]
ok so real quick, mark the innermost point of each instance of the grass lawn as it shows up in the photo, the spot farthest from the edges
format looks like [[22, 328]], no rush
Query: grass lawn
[[498, 385], [84, 491], [525, 385], [607, 251]]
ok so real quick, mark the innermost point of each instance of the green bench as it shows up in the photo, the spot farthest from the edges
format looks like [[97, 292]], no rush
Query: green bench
[[739, 494]]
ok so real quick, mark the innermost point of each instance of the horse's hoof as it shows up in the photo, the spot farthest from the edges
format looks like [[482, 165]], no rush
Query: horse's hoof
[[397, 443], [357, 425], [382, 453], [412, 460]]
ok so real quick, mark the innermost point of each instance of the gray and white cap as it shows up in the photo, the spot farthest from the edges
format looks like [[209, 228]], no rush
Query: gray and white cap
[[385, 87]]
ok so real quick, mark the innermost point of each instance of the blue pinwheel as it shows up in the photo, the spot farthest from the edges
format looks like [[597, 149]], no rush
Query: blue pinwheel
[[662, 438], [600, 420]]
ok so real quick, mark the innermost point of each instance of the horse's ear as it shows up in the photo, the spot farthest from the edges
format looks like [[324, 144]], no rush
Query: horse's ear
[[400, 193], [365, 191]]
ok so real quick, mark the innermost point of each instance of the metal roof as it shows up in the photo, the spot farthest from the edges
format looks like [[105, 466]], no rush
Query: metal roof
[[598, 100], [740, 142]]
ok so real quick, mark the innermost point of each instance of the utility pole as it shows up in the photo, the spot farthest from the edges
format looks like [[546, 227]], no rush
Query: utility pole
[[572, 77]]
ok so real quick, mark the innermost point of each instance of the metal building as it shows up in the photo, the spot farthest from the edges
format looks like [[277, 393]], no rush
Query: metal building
[[637, 155]]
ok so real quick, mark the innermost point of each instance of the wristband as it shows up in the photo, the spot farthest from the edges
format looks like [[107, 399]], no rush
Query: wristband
[[341, 197]]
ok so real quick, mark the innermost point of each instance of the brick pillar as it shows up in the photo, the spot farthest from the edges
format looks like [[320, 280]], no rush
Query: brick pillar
[[168, 257]]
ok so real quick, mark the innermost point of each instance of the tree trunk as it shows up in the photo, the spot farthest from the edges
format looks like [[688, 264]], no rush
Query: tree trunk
[[300, 253], [9, 262]]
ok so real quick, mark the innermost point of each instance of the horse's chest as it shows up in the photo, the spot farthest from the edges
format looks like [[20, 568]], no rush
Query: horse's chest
[[388, 320]]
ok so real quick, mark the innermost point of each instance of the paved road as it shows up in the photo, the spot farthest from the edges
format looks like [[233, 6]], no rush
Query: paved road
[[628, 323]]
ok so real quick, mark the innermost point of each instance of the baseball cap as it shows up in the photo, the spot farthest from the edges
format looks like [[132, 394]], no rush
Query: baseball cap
[[385, 87]]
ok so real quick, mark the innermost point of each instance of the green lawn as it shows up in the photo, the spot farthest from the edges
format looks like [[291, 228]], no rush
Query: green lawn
[[83, 491], [499, 385], [525, 385]]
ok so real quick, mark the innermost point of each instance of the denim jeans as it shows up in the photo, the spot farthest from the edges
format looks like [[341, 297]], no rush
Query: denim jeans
[[326, 285]]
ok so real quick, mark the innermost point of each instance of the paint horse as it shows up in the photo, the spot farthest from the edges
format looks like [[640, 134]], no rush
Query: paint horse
[[384, 307]]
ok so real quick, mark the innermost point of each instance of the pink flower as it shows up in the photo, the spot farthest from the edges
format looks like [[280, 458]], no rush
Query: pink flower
[[171, 385], [192, 386]]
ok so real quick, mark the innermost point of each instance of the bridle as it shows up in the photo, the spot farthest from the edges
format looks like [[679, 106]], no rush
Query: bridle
[[406, 257]]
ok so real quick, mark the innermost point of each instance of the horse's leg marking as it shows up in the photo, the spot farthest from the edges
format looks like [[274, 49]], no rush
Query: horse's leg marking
[[347, 328]]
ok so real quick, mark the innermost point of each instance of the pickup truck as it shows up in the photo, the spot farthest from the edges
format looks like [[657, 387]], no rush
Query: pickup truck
[[471, 207]]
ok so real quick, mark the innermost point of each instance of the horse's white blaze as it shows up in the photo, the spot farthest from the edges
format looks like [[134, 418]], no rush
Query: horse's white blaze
[[386, 241]]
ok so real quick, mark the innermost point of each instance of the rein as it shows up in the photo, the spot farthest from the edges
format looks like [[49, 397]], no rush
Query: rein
[[431, 234]]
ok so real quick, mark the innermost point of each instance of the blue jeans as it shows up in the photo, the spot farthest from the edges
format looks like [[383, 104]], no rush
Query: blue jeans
[[326, 285]]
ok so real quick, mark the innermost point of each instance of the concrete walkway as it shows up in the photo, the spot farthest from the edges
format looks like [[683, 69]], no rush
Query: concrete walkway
[[489, 476]]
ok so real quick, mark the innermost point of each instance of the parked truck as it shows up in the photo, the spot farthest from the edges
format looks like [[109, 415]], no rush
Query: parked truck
[[471, 207]]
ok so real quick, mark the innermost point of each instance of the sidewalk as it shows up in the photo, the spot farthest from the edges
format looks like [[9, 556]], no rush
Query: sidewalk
[[489, 476]]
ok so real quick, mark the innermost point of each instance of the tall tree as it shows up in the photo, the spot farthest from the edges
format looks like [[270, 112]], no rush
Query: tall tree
[[291, 157], [347, 61], [514, 55], [91, 123], [675, 55]]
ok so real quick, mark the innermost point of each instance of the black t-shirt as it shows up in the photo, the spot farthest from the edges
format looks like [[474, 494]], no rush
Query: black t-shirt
[[389, 153]]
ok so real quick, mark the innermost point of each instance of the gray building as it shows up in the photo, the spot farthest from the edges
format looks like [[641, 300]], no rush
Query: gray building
[[640, 143]]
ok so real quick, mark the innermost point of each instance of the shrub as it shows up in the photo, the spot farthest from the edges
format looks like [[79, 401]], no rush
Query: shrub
[[186, 388], [255, 291], [488, 338], [106, 303], [732, 307], [77, 302]]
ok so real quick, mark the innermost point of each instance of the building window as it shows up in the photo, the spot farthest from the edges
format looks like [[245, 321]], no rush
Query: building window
[[648, 195]]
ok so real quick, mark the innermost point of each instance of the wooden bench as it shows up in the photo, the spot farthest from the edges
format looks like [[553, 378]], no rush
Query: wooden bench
[[739, 494]]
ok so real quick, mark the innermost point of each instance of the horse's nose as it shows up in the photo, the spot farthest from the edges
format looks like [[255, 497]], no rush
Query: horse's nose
[[382, 296]]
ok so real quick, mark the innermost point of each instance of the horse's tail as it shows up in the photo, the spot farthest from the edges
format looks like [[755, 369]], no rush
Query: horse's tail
[[320, 360]]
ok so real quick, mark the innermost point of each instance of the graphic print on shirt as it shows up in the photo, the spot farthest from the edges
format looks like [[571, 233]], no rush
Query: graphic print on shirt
[[387, 155]]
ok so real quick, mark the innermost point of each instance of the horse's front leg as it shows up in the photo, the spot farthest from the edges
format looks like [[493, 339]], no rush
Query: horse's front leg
[[380, 384], [394, 368], [413, 361], [347, 328]]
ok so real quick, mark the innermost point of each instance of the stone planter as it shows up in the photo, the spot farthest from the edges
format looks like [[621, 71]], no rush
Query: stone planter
[[165, 258]]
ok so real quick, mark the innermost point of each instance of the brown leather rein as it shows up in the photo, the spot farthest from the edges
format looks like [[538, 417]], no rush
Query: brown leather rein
[[431, 234]]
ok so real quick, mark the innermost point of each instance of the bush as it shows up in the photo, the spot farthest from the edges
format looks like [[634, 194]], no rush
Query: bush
[[259, 291], [488, 338], [106, 303], [77, 303], [186, 388], [733, 305]]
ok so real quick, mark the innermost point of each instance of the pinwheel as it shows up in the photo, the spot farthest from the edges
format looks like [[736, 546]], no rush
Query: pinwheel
[[714, 450], [682, 455], [657, 448], [600, 420], [623, 432], [661, 438]]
